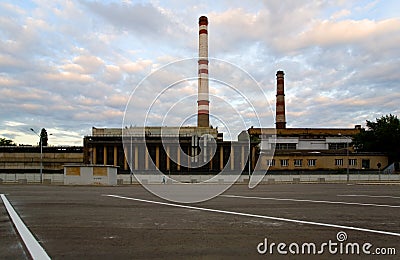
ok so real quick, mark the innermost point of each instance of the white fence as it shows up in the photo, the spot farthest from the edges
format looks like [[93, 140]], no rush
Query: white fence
[[33, 178]]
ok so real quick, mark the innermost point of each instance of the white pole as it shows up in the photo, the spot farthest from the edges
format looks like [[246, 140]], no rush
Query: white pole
[[41, 159]]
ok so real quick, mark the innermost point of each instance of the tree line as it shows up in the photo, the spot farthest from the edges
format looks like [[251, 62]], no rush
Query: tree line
[[382, 135]]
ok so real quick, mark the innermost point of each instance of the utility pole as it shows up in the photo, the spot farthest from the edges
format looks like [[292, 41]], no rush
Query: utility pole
[[41, 155]]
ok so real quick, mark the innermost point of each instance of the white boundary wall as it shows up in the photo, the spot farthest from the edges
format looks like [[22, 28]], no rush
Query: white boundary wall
[[304, 178], [288, 178]]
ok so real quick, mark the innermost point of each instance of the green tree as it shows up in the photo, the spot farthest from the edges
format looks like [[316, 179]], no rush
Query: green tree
[[381, 136], [43, 137], [6, 142]]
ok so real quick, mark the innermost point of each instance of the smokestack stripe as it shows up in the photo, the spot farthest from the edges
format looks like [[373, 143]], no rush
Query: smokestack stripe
[[203, 96]]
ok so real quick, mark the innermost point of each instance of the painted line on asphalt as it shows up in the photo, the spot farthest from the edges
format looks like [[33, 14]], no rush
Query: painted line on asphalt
[[368, 196], [35, 249], [378, 183], [313, 201], [258, 216]]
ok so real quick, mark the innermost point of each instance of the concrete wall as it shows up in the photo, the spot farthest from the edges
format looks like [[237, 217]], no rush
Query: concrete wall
[[31, 178], [290, 178], [305, 178]]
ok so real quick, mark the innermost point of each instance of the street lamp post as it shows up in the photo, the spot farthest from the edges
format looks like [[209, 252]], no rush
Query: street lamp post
[[348, 162], [249, 156], [41, 155]]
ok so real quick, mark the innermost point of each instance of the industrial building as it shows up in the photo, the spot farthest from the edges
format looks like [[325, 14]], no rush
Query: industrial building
[[310, 149], [29, 159], [157, 148]]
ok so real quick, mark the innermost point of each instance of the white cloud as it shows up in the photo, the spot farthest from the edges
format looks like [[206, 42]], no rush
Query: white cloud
[[136, 66], [340, 14], [90, 64], [13, 123], [325, 33]]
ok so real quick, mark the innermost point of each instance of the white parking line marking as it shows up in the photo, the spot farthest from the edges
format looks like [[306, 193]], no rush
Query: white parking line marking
[[259, 216], [368, 196], [33, 246], [313, 201]]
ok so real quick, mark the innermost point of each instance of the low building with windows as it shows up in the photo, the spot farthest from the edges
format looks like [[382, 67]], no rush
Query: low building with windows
[[328, 160], [313, 149]]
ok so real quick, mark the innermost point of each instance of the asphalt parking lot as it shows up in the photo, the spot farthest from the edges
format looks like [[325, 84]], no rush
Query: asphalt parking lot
[[85, 222]]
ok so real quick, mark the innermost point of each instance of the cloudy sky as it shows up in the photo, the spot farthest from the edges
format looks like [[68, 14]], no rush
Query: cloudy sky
[[70, 65]]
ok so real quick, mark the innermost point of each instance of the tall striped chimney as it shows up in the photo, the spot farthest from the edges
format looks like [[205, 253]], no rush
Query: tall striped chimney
[[280, 101], [202, 94]]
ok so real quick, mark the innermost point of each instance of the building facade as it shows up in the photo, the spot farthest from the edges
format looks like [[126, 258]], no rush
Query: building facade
[[28, 159], [314, 149], [168, 149]]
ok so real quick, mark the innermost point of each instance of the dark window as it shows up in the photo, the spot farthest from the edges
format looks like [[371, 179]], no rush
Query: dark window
[[284, 163], [110, 155], [352, 162], [338, 162], [298, 162], [284, 146], [365, 163], [311, 162], [337, 146], [99, 155], [271, 162]]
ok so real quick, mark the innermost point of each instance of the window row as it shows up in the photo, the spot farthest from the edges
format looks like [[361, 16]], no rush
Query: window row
[[337, 146], [353, 162], [297, 162], [284, 146], [293, 146], [312, 162]]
